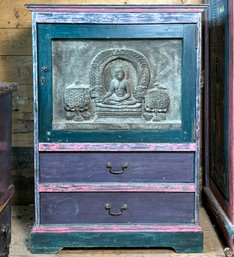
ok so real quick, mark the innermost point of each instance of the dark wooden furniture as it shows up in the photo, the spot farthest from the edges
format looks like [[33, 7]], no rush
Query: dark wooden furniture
[[6, 187], [219, 188], [117, 125]]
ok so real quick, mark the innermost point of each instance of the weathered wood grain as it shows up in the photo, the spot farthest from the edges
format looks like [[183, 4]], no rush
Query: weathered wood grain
[[22, 173], [22, 139], [22, 116], [22, 103], [16, 68], [15, 42]]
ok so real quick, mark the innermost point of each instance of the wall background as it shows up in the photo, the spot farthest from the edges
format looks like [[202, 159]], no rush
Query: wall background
[[16, 65]]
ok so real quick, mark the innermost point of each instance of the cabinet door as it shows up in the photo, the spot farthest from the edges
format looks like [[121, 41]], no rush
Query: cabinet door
[[109, 83]]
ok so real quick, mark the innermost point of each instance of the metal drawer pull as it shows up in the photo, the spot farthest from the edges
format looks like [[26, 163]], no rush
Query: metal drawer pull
[[116, 172], [122, 209]]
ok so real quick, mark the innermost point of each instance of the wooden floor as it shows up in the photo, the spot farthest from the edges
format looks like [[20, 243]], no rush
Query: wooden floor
[[22, 219]]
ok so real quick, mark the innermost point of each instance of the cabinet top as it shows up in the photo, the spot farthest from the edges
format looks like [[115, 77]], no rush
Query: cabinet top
[[117, 14], [117, 8]]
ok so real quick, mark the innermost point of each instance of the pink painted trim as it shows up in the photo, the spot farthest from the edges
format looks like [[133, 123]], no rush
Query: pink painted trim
[[116, 187], [116, 9], [115, 147], [116, 228], [231, 114]]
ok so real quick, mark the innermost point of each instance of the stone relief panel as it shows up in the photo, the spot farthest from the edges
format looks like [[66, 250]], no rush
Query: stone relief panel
[[117, 84]]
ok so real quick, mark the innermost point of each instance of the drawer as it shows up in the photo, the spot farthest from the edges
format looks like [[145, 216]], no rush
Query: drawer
[[70, 208], [117, 167]]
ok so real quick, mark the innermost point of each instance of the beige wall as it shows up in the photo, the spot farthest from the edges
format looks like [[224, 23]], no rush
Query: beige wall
[[16, 58]]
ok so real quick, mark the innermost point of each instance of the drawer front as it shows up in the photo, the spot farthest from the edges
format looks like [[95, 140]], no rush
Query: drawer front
[[71, 208], [117, 167]]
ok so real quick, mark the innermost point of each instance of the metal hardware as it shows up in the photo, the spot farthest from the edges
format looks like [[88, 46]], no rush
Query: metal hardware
[[45, 69], [110, 212], [116, 172], [43, 81]]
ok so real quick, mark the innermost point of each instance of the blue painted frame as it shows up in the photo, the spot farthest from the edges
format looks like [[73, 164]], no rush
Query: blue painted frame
[[49, 32]]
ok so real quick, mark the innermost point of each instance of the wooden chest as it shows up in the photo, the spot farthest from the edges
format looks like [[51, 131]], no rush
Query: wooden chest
[[219, 186], [117, 123], [6, 187]]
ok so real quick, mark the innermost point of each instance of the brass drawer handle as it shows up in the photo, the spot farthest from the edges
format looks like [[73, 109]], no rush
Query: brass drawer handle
[[110, 212], [116, 172]]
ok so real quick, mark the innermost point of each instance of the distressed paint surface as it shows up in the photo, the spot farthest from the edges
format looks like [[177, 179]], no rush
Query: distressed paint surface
[[110, 147], [93, 167], [183, 242], [120, 18], [116, 228], [142, 207], [115, 187]]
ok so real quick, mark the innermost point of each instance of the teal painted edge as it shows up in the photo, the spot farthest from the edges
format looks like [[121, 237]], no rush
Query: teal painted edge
[[181, 242], [61, 31]]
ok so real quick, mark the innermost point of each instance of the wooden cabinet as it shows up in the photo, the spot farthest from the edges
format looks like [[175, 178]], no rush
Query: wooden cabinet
[[117, 122], [6, 187], [219, 118]]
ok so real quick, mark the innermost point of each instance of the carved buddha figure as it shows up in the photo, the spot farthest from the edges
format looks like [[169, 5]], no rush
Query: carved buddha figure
[[119, 92]]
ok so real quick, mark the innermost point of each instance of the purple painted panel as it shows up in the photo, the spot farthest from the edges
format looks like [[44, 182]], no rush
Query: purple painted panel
[[70, 208], [135, 167]]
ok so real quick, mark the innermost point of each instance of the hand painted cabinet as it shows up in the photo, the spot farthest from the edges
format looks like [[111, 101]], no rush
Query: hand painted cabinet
[[219, 187], [6, 187], [117, 120]]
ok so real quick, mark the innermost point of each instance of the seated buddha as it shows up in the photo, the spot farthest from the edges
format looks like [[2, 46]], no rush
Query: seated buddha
[[119, 92]]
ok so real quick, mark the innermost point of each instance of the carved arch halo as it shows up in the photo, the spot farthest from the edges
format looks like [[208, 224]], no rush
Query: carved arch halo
[[138, 60]]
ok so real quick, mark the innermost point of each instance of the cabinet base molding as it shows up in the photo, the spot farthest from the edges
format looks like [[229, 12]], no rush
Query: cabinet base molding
[[183, 239]]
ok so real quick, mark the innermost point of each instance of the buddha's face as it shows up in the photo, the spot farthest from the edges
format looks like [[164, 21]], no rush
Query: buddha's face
[[119, 73]]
